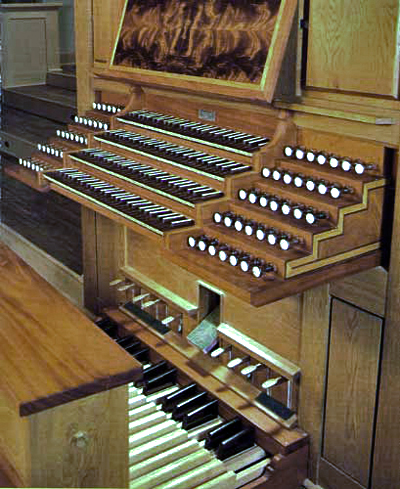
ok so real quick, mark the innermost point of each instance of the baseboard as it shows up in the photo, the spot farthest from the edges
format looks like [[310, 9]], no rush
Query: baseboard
[[69, 283], [310, 485]]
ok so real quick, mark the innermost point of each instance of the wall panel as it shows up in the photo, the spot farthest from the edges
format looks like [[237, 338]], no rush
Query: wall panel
[[353, 46], [351, 390]]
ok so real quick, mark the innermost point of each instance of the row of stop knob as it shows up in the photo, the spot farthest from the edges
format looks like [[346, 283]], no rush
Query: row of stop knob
[[236, 258]]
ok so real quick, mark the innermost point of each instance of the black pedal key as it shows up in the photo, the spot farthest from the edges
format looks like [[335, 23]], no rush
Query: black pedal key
[[236, 444], [169, 402], [200, 415], [162, 381], [222, 432]]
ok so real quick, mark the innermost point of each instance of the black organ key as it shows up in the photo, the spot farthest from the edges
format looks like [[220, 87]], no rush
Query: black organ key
[[235, 444], [108, 326], [155, 179], [129, 343], [143, 355], [165, 379], [189, 405], [200, 415], [210, 134], [155, 370], [129, 204], [133, 347], [222, 432], [214, 165], [172, 400]]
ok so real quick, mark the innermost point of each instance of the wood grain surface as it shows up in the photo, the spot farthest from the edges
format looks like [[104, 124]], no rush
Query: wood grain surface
[[83, 443], [366, 290], [350, 43], [313, 357], [50, 352], [351, 390], [226, 40]]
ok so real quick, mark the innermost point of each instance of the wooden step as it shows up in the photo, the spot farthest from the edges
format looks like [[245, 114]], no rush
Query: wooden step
[[50, 102], [67, 81], [21, 132]]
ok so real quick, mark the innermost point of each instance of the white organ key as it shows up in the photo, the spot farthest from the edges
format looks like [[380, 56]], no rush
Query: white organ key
[[163, 458], [244, 459], [195, 476], [157, 395], [151, 433], [160, 394], [172, 470], [224, 481], [144, 410], [251, 473], [135, 402], [204, 428], [158, 445], [146, 422]]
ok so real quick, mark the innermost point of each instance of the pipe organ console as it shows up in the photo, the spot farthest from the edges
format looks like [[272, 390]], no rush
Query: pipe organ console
[[207, 212]]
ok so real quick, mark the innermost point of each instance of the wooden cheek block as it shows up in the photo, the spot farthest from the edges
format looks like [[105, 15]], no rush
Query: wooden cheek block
[[63, 392]]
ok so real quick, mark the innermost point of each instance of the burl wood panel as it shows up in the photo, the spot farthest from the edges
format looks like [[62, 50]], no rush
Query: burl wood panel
[[353, 46], [220, 39], [50, 352], [351, 390]]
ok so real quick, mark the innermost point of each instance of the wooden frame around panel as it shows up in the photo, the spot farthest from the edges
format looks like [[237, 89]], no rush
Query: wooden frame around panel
[[264, 91]]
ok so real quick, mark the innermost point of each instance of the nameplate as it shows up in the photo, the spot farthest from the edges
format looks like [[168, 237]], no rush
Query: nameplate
[[207, 115]]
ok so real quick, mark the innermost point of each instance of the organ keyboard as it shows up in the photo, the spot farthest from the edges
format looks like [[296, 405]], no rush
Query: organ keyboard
[[181, 156], [181, 436], [227, 139], [131, 207]]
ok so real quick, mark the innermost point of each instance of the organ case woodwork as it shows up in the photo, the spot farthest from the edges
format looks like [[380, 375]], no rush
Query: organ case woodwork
[[136, 255]]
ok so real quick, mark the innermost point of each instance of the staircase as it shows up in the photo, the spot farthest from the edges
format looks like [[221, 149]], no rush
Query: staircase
[[30, 115]]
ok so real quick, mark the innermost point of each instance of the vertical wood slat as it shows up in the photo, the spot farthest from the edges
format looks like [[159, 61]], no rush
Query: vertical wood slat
[[84, 53], [110, 258], [314, 347], [89, 258], [351, 390], [350, 43], [386, 466], [106, 18]]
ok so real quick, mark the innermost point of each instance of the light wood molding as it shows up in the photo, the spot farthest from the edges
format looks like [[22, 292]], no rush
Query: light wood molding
[[83, 10], [387, 438]]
